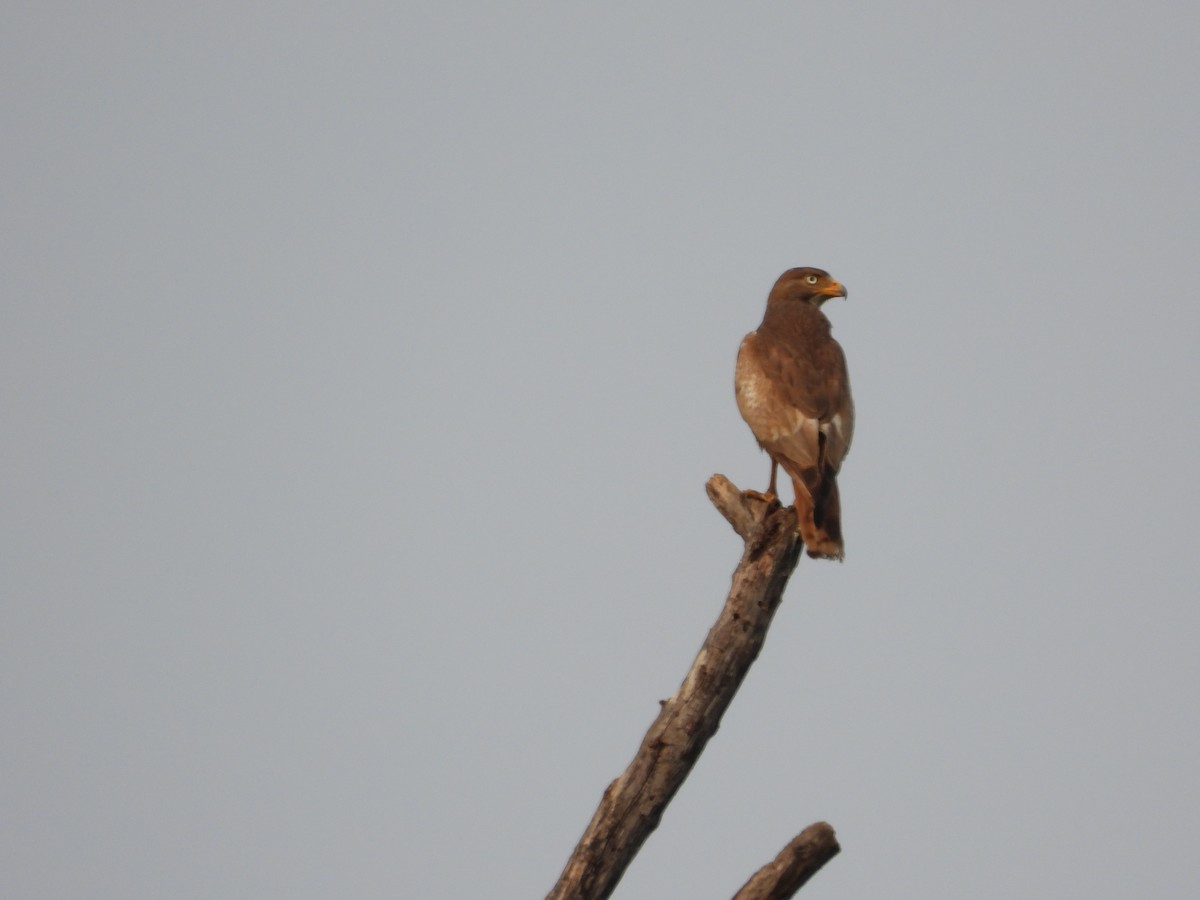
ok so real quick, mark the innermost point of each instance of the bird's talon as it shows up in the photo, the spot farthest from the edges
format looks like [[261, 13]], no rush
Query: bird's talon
[[766, 498]]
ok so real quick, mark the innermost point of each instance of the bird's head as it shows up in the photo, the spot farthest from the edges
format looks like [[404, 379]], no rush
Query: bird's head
[[806, 284]]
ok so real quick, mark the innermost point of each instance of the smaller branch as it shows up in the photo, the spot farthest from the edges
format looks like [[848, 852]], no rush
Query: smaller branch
[[796, 863], [745, 511]]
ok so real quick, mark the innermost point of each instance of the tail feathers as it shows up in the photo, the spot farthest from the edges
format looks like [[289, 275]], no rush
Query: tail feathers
[[819, 514]]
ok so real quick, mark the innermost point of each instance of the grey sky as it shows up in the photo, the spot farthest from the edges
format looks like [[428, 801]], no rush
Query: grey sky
[[363, 365]]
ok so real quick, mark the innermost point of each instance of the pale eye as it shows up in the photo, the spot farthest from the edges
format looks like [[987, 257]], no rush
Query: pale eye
[[811, 279]]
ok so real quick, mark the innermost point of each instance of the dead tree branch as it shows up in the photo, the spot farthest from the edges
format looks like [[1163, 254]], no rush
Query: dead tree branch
[[633, 804], [796, 863]]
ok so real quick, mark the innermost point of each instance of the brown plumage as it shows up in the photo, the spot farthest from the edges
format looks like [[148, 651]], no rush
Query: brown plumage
[[794, 393]]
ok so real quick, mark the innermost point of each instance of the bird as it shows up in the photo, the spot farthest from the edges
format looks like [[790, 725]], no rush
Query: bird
[[793, 390]]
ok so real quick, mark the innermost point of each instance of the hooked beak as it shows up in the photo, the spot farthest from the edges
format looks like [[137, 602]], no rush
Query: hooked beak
[[835, 289]]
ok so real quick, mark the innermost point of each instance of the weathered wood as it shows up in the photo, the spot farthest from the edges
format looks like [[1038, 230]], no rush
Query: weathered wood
[[796, 863], [633, 804], [735, 506]]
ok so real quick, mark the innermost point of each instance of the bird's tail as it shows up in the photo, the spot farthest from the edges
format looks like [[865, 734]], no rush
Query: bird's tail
[[826, 540], [819, 513]]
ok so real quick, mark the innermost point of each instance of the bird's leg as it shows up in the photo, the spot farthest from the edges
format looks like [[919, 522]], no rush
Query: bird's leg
[[804, 512], [771, 496]]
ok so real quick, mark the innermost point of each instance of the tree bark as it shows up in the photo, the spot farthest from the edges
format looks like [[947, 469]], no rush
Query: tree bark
[[633, 804]]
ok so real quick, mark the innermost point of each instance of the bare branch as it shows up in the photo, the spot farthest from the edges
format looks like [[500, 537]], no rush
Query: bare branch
[[796, 863], [733, 505], [744, 510], [633, 804]]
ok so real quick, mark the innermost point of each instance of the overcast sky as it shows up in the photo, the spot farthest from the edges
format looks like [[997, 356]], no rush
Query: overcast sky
[[362, 366]]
